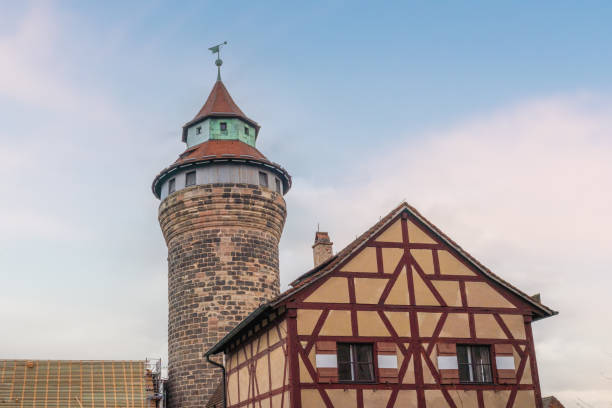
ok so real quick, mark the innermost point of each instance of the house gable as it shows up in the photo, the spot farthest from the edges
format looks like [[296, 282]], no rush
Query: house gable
[[412, 295], [407, 264]]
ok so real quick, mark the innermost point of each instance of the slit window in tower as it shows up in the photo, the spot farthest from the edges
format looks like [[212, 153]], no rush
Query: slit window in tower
[[246, 130], [278, 185], [171, 186], [263, 179], [198, 130], [190, 179], [223, 126]]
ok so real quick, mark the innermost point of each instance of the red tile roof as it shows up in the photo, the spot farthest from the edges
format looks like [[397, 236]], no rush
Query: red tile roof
[[551, 402], [220, 149], [219, 101], [219, 104]]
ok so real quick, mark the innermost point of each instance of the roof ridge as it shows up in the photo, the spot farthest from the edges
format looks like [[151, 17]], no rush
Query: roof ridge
[[323, 269]]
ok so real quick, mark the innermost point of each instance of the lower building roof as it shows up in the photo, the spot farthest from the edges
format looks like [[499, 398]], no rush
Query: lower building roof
[[75, 383]]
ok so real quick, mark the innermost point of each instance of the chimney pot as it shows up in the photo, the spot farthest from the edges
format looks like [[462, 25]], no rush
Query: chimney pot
[[322, 248]]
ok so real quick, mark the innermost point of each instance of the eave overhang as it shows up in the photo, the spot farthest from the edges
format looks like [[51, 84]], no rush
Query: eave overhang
[[224, 158]]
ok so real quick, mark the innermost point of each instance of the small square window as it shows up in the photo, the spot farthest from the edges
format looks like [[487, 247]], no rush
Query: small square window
[[278, 185], [223, 126], [190, 179], [474, 364], [355, 362], [263, 179], [171, 186], [198, 130], [246, 130]]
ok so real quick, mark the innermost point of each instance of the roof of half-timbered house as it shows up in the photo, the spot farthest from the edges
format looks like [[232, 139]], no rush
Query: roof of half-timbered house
[[328, 267]]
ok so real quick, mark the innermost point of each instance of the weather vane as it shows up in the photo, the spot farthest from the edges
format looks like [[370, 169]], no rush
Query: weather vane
[[217, 49]]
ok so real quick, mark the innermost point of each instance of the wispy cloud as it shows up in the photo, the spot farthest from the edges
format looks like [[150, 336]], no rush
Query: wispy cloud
[[35, 61], [525, 189]]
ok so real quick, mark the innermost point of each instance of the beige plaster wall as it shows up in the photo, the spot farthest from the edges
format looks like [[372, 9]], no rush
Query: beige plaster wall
[[364, 261], [241, 385], [333, 290]]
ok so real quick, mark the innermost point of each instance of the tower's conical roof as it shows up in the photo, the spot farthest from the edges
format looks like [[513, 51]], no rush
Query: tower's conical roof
[[219, 104]]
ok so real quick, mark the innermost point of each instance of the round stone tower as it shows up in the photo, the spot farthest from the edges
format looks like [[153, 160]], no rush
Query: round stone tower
[[222, 213]]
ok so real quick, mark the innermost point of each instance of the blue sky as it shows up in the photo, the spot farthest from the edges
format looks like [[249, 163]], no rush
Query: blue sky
[[494, 120]]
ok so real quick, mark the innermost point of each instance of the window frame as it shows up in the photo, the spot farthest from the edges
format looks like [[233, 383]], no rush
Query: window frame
[[471, 365], [354, 363], [246, 130], [263, 176], [223, 126], [187, 178], [198, 130], [277, 184], [171, 185]]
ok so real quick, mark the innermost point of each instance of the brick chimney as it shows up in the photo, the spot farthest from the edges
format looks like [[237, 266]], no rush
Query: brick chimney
[[322, 248]]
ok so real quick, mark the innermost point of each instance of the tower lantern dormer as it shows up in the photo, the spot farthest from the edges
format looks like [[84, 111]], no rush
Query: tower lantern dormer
[[220, 119], [221, 149]]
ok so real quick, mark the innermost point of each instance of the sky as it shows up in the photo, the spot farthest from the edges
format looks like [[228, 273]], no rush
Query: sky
[[493, 120]]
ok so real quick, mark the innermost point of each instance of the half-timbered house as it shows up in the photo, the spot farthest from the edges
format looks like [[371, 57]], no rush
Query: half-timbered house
[[401, 317]]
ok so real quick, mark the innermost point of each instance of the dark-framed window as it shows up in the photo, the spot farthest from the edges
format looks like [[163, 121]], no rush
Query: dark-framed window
[[190, 179], [171, 186], [355, 362], [246, 130], [278, 185], [263, 179], [474, 364], [198, 130], [223, 126]]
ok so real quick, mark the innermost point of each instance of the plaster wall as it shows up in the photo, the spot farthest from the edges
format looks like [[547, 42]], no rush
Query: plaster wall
[[257, 371]]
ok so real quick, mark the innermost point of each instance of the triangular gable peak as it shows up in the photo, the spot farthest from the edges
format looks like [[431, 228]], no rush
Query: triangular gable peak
[[404, 260]]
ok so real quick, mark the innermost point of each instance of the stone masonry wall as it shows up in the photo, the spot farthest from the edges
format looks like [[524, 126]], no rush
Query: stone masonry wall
[[222, 264]]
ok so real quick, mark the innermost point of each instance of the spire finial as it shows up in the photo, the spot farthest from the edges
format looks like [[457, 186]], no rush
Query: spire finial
[[217, 49]]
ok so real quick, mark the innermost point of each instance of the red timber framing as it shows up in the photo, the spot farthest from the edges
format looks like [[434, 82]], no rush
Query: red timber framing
[[257, 368], [417, 350], [403, 284]]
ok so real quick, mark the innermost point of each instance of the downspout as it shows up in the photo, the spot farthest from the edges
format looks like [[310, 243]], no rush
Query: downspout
[[222, 367]]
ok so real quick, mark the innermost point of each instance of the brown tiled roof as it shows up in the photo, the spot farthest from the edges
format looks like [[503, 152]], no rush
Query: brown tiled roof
[[551, 402], [219, 101], [219, 104], [220, 149], [74, 383]]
